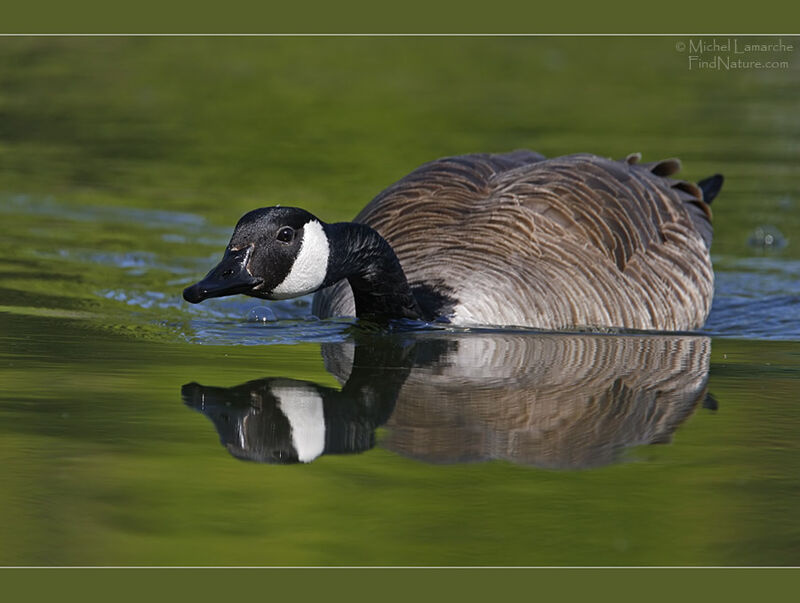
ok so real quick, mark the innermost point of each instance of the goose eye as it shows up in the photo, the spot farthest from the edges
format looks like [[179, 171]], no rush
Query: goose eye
[[285, 234]]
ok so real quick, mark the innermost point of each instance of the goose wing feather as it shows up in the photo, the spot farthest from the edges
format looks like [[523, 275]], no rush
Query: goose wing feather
[[575, 241]]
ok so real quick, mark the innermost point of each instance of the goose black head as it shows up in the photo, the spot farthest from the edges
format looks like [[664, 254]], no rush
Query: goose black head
[[274, 253]]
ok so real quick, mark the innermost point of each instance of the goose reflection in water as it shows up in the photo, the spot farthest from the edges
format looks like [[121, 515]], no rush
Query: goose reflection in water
[[552, 401]]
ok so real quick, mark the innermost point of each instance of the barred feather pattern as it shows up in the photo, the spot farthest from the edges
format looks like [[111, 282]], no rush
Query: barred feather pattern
[[561, 402], [555, 400], [578, 241]]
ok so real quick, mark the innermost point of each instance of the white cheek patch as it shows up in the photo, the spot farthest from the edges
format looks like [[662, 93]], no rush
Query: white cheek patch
[[302, 406], [310, 266]]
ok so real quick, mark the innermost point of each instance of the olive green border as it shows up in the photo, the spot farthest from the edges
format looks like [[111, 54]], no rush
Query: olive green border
[[406, 16], [393, 584]]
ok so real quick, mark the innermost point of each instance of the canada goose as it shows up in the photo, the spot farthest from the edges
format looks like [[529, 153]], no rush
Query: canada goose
[[561, 401], [286, 421], [578, 241], [281, 420], [557, 401]]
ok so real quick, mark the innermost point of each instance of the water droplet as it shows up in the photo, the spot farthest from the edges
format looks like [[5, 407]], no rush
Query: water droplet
[[260, 314], [767, 237]]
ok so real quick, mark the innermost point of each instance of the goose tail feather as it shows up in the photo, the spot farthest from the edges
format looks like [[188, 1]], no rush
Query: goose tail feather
[[711, 187]]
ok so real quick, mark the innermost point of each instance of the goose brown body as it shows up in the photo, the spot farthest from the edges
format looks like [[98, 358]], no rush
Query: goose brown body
[[578, 241]]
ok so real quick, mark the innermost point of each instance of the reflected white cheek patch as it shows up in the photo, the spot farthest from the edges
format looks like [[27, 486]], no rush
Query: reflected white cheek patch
[[302, 406]]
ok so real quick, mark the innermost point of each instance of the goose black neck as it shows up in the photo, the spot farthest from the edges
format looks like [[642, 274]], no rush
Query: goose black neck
[[380, 289]]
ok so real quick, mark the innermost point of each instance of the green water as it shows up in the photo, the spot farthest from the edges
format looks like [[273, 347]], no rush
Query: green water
[[124, 163]]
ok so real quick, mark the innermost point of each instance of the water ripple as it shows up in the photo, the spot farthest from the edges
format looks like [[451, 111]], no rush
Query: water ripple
[[756, 298]]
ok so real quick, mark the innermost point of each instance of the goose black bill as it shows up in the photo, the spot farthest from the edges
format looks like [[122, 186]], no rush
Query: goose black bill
[[229, 277]]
